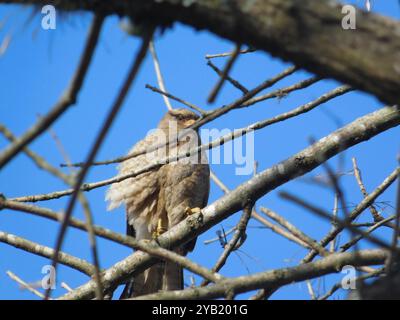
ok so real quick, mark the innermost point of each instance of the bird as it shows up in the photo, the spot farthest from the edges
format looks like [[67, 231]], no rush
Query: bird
[[157, 200]]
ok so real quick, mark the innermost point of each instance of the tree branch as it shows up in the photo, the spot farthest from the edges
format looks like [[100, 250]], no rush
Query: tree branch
[[308, 33], [47, 252], [276, 278]]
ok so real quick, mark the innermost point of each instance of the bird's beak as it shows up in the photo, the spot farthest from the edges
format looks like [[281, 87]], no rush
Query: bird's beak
[[188, 123]]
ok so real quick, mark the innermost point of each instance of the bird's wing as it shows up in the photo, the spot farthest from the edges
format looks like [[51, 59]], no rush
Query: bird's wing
[[140, 193]]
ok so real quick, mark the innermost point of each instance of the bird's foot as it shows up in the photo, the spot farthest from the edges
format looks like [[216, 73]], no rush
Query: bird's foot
[[190, 211], [159, 230]]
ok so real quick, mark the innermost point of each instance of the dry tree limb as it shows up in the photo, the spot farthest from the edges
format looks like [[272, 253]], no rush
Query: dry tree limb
[[276, 278], [227, 54], [169, 95], [357, 173], [295, 231], [308, 33], [337, 286], [235, 242], [38, 160], [160, 78], [47, 252], [24, 285], [234, 82], [214, 92], [353, 241]]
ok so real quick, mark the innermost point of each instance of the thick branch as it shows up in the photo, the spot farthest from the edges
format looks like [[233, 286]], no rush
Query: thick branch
[[279, 277], [308, 33], [46, 252]]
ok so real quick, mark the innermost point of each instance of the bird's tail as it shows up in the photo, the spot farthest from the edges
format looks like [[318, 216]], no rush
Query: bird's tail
[[164, 276]]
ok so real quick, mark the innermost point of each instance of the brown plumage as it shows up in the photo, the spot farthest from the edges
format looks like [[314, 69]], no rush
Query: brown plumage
[[156, 200]]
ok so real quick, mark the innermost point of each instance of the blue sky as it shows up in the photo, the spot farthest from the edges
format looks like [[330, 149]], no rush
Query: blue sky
[[37, 67]]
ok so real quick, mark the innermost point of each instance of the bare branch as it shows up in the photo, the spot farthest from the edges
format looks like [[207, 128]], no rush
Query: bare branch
[[188, 104], [47, 252], [234, 82], [279, 277], [214, 92], [295, 231], [24, 284], [160, 79], [357, 173], [227, 54]]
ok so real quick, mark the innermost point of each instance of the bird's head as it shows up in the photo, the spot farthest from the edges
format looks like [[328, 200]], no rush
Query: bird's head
[[184, 118]]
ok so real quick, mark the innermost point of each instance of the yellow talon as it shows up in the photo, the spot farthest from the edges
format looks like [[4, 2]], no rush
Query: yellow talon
[[190, 211], [159, 230]]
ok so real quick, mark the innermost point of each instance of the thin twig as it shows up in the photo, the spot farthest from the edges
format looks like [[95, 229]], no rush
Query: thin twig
[[24, 285], [66, 286], [281, 92], [169, 95], [160, 78], [237, 240], [357, 173], [227, 54], [339, 285], [353, 241], [334, 216], [214, 92], [295, 231], [38, 160], [259, 218], [310, 290], [47, 252], [234, 82]]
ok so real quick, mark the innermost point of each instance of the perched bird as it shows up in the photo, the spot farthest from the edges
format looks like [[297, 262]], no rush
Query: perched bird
[[157, 200]]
